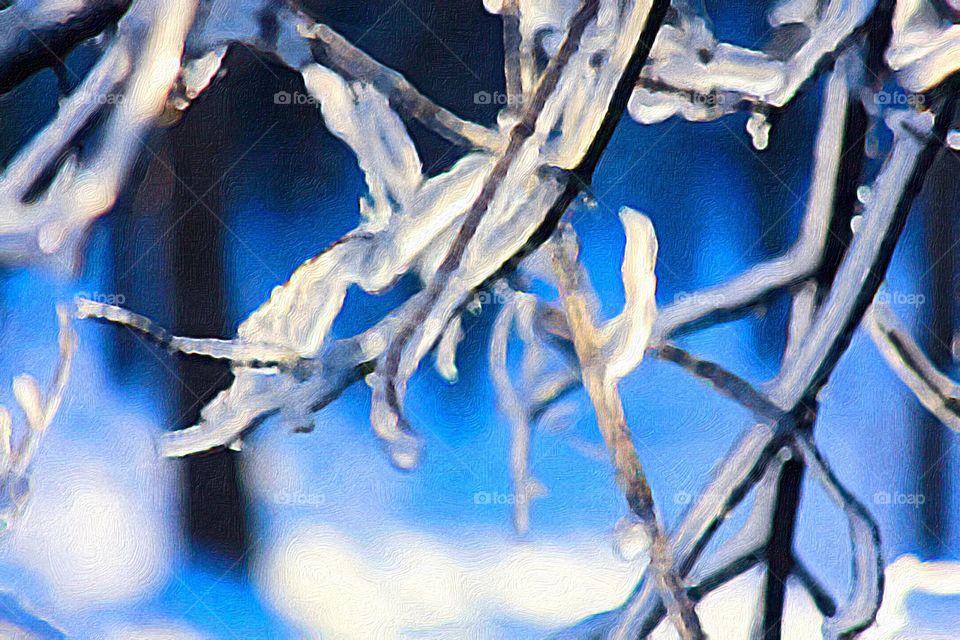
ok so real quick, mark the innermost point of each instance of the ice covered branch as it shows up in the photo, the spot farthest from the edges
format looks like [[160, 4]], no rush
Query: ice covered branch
[[601, 373], [916, 141], [334, 52], [936, 392], [499, 208], [36, 34], [129, 83], [39, 409]]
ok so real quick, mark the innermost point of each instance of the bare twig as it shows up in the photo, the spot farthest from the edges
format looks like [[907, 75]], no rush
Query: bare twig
[[727, 383]]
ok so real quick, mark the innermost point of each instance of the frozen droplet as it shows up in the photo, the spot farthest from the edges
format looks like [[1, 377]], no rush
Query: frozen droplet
[[631, 538], [493, 6], [856, 223], [405, 452], [863, 193], [953, 139], [759, 129]]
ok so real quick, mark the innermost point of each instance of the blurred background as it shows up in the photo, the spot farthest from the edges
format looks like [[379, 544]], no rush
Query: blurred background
[[316, 535]]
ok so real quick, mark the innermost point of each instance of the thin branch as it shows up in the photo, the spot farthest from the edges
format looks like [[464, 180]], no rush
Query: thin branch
[[238, 352], [936, 392], [860, 610], [390, 383], [846, 113], [335, 52], [897, 185], [510, 14], [740, 470], [755, 534], [133, 76], [916, 143], [825, 603], [39, 409], [525, 486], [41, 34], [605, 396], [804, 257], [727, 383]]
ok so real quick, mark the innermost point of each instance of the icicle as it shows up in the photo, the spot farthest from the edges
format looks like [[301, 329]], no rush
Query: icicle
[[446, 352], [625, 337], [402, 445], [759, 129]]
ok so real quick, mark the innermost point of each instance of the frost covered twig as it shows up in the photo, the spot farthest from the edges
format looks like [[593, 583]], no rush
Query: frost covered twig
[[399, 361], [601, 385], [803, 258], [420, 235], [925, 47], [334, 52], [35, 34], [695, 76], [472, 226], [860, 611], [936, 392], [518, 308], [39, 409], [239, 353], [129, 83], [916, 142]]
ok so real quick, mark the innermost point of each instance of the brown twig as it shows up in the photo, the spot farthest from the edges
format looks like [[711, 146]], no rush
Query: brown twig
[[612, 421]]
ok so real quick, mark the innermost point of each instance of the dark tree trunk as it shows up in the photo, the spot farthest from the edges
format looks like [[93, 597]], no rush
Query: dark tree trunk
[[933, 480]]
